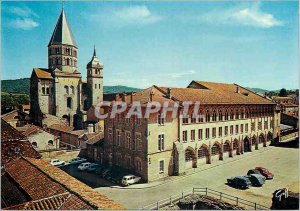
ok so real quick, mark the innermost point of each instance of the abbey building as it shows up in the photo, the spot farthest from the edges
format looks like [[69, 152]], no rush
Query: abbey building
[[59, 89]]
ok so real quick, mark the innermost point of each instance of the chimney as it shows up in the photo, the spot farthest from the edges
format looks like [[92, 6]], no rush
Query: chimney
[[151, 96], [237, 89], [169, 93], [90, 128]]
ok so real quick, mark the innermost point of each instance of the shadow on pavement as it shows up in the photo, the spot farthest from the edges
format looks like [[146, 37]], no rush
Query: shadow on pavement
[[290, 144]]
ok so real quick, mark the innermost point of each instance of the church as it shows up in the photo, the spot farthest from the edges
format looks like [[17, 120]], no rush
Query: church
[[59, 90]]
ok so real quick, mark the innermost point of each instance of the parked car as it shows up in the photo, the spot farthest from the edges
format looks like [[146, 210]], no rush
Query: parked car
[[56, 162], [239, 182], [84, 166], [93, 167], [130, 179], [256, 179], [265, 172], [77, 160]]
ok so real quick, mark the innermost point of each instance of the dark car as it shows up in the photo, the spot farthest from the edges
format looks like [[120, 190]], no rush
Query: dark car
[[239, 182], [256, 179], [265, 172], [253, 171]]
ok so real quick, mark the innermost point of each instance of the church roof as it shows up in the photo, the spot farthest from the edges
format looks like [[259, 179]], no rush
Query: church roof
[[62, 33], [42, 73], [95, 62]]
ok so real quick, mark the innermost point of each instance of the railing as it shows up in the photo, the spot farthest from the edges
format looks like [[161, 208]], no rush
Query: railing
[[245, 204]]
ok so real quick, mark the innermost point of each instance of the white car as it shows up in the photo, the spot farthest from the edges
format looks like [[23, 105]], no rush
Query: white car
[[56, 162], [84, 166], [77, 160], [130, 179]]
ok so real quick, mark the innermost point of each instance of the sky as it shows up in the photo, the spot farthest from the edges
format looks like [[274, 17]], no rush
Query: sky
[[253, 44]]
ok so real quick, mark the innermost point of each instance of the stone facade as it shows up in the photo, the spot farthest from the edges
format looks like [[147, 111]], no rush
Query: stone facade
[[59, 90], [156, 148]]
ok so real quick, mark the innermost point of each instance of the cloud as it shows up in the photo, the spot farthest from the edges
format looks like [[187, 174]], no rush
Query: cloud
[[124, 16], [182, 74], [22, 12], [243, 16], [23, 23], [22, 18]]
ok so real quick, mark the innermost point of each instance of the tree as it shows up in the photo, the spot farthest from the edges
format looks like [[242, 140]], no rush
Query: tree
[[283, 92]]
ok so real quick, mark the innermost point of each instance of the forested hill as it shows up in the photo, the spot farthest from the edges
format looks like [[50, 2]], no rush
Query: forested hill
[[21, 86]]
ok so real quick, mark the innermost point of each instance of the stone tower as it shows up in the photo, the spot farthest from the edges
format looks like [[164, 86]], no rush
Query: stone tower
[[95, 80], [62, 48]]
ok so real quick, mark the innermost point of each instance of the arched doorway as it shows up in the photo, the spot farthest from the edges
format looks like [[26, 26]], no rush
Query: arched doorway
[[235, 147], [67, 118], [254, 142], [227, 148], [262, 140], [247, 145], [190, 158], [203, 153], [216, 151], [269, 137]]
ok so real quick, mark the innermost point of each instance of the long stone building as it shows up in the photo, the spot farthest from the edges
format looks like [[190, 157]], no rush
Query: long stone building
[[233, 121], [59, 90]]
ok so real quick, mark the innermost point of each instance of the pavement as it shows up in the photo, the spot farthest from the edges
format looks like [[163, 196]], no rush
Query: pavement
[[282, 161]]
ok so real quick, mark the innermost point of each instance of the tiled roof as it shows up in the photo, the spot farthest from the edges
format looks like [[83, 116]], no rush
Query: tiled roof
[[14, 144], [83, 191], [60, 127], [216, 93], [51, 188], [32, 129], [94, 137], [42, 73]]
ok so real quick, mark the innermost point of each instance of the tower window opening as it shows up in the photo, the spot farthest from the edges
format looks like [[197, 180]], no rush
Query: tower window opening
[[69, 102], [47, 90], [99, 86], [72, 89], [67, 89], [43, 90], [95, 86], [57, 50]]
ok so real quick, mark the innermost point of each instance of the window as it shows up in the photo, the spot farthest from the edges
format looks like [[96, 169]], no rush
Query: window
[[220, 116], [193, 119], [185, 120], [161, 142], [266, 125], [271, 124], [118, 138], [236, 129], [43, 90], [214, 117], [200, 118], [72, 89], [237, 115], [57, 50], [188, 155], [246, 127], [160, 119], [192, 135], [99, 86], [67, 61], [231, 115], [200, 134], [242, 128], [253, 126], [95, 86], [69, 102], [214, 132], [128, 140], [207, 133], [34, 144], [138, 142], [207, 117], [161, 166], [226, 130], [202, 152], [50, 143], [259, 125], [242, 115], [226, 147], [184, 136], [138, 166], [220, 131], [215, 150], [133, 146], [110, 134], [67, 89], [231, 129], [226, 115]]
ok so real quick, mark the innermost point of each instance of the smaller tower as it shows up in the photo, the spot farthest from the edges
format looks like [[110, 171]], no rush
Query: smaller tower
[[95, 80]]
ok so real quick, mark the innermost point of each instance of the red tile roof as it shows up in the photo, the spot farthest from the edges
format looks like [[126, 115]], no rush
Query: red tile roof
[[60, 127], [32, 129]]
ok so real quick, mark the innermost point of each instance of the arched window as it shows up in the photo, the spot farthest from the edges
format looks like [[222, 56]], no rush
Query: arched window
[[67, 89], [237, 115], [69, 102], [220, 116], [215, 150], [50, 143], [226, 147], [207, 116], [99, 86], [47, 90], [202, 152], [226, 115], [67, 61], [34, 144], [72, 89], [231, 115], [188, 155], [214, 116]]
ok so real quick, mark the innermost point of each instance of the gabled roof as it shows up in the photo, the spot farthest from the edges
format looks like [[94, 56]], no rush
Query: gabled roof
[[32, 129], [42, 73], [62, 33]]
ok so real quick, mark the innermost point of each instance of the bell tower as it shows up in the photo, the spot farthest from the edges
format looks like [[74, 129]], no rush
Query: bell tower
[[95, 80], [62, 48]]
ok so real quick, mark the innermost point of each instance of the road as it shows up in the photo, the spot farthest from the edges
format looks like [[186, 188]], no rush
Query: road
[[283, 162]]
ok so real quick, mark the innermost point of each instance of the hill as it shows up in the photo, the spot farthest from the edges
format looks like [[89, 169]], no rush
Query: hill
[[22, 86], [257, 90]]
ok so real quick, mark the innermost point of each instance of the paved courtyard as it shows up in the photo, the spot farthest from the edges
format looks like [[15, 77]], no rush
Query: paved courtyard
[[282, 161]]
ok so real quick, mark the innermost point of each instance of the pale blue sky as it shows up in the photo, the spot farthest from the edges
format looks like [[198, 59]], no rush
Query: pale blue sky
[[253, 44]]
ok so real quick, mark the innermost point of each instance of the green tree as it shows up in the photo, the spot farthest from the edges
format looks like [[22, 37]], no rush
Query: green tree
[[283, 92]]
